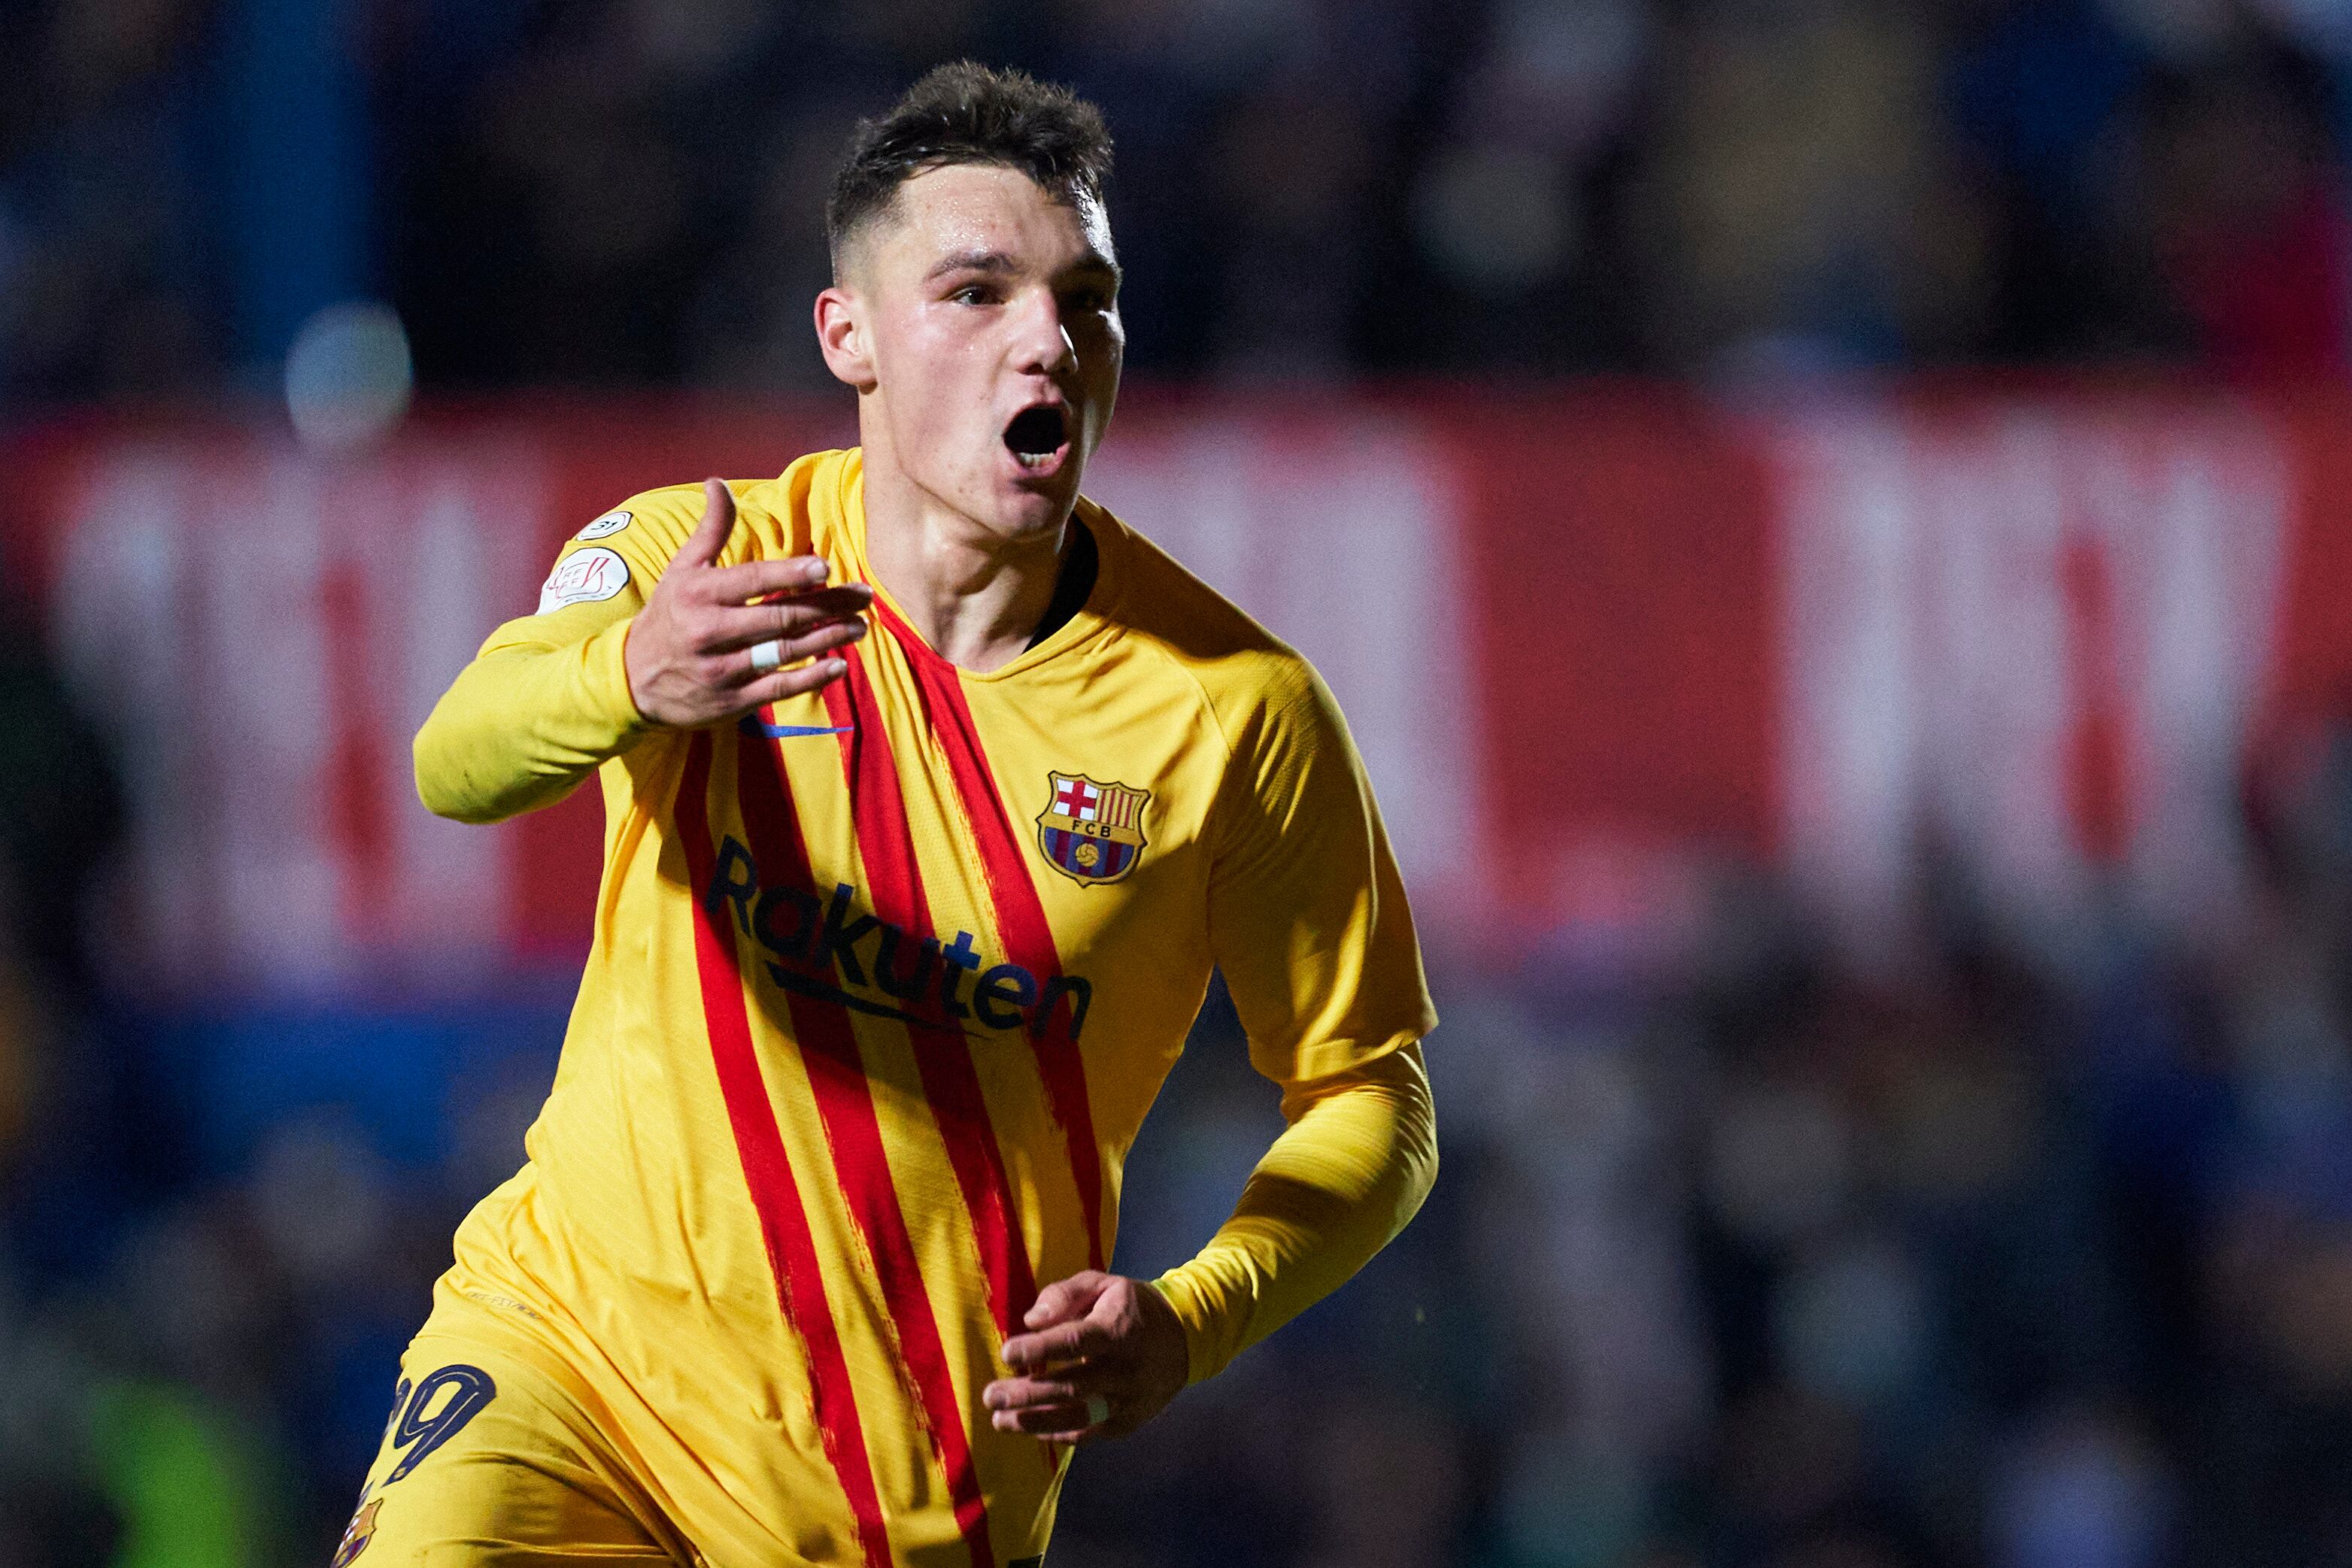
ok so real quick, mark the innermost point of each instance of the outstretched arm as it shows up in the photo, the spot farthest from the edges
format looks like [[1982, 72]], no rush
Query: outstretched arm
[[551, 695]]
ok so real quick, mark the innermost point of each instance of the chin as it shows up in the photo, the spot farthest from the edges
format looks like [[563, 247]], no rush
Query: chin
[[1029, 514], [1021, 509]]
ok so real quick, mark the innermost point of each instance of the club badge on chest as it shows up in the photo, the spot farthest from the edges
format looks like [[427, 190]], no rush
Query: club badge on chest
[[1091, 832]]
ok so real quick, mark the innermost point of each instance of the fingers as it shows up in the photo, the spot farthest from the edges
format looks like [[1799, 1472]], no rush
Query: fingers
[[724, 630], [1062, 1328], [1103, 1355], [751, 579], [756, 694], [1065, 1407], [759, 578], [1068, 1423], [709, 536], [1070, 1297], [1062, 1342], [744, 666], [690, 651], [1027, 1393]]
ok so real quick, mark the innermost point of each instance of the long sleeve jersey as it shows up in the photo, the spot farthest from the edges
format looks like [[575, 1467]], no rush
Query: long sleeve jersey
[[883, 981]]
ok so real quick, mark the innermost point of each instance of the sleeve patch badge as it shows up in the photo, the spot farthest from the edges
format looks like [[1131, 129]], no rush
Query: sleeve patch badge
[[1089, 831], [584, 577], [611, 523]]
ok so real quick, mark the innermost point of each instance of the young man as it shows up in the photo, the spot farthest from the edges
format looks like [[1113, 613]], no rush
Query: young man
[[899, 932]]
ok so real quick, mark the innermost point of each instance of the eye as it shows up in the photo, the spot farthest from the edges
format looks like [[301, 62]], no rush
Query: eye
[[974, 294]]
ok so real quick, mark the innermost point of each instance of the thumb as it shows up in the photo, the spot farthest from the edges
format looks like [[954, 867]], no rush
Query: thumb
[[709, 536]]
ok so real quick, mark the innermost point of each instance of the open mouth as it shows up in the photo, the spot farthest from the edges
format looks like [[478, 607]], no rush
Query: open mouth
[[1037, 435]]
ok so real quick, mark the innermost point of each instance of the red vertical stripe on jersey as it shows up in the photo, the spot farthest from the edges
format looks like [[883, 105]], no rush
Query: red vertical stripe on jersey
[[775, 1198], [845, 1100], [894, 880], [1020, 913]]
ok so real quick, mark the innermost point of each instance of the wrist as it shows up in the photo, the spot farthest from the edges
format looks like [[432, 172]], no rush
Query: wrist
[[641, 712], [615, 675], [1179, 1300]]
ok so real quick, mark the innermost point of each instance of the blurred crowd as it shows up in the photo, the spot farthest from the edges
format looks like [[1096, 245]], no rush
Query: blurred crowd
[[603, 192], [1748, 1255], [1745, 1254]]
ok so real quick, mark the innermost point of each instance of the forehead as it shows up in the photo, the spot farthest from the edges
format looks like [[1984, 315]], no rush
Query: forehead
[[984, 207]]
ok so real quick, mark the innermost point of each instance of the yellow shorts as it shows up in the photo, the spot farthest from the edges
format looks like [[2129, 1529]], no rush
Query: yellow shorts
[[492, 1460]]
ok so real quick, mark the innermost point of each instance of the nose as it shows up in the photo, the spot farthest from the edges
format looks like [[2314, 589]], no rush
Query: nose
[[1041, 343]]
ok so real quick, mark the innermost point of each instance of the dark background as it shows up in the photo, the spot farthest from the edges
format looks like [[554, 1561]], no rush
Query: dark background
[[625, 193], [2000, 1250]]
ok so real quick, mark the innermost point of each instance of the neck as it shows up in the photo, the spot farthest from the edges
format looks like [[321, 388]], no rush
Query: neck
[[973, 595]]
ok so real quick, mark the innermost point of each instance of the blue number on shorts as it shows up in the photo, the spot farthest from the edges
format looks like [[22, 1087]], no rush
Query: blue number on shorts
[[474, 1390]]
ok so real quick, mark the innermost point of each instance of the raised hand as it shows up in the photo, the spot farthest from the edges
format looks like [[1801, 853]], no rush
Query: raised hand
[[709, 643], [1105, 1354]]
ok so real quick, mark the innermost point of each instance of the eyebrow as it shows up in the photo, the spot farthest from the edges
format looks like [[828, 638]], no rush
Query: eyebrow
[[998, 262]]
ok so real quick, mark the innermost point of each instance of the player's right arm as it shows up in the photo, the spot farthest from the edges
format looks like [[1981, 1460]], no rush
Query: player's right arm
[[670, 643]]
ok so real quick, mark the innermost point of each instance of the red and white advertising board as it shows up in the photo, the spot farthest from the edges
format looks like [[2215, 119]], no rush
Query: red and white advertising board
[[1585, 637]]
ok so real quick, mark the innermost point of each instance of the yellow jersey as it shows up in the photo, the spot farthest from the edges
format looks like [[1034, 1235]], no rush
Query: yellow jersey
[[883, 981]]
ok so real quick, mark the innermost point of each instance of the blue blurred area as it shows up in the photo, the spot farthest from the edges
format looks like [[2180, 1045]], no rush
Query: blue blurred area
[[405, 1075], [298, 218], [201, 1097]]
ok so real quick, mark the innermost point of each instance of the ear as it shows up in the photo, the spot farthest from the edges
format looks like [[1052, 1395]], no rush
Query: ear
[[841, 337]]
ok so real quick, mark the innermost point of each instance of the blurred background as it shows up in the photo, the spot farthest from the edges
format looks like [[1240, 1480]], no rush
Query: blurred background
[[1832, 522]]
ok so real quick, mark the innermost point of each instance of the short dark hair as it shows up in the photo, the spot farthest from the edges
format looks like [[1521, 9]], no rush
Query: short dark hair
[[968, 113]]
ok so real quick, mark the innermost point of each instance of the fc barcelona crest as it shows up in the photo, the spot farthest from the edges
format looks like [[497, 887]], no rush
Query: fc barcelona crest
[[361, 1531], [1091, 832]]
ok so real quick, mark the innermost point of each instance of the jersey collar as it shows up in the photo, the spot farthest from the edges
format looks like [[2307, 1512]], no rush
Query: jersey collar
[[837, 507]]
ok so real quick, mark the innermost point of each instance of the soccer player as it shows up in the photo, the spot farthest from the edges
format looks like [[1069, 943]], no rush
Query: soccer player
[[932, 792]]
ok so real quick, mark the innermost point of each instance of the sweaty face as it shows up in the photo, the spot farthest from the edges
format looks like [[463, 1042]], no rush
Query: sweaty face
[[990, 315]]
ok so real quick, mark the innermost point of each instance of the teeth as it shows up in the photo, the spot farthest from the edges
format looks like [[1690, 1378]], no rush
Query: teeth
[[1034, 436]]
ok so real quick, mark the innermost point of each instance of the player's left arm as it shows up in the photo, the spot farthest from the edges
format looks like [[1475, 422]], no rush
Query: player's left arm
[[1308, 921]]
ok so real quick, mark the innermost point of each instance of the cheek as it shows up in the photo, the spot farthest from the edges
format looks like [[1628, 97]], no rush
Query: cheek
[[1103, 367], [939, 381], [1111, 344], [926, 366]]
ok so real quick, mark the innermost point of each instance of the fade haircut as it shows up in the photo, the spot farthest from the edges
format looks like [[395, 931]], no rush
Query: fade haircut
[[968, 113]]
